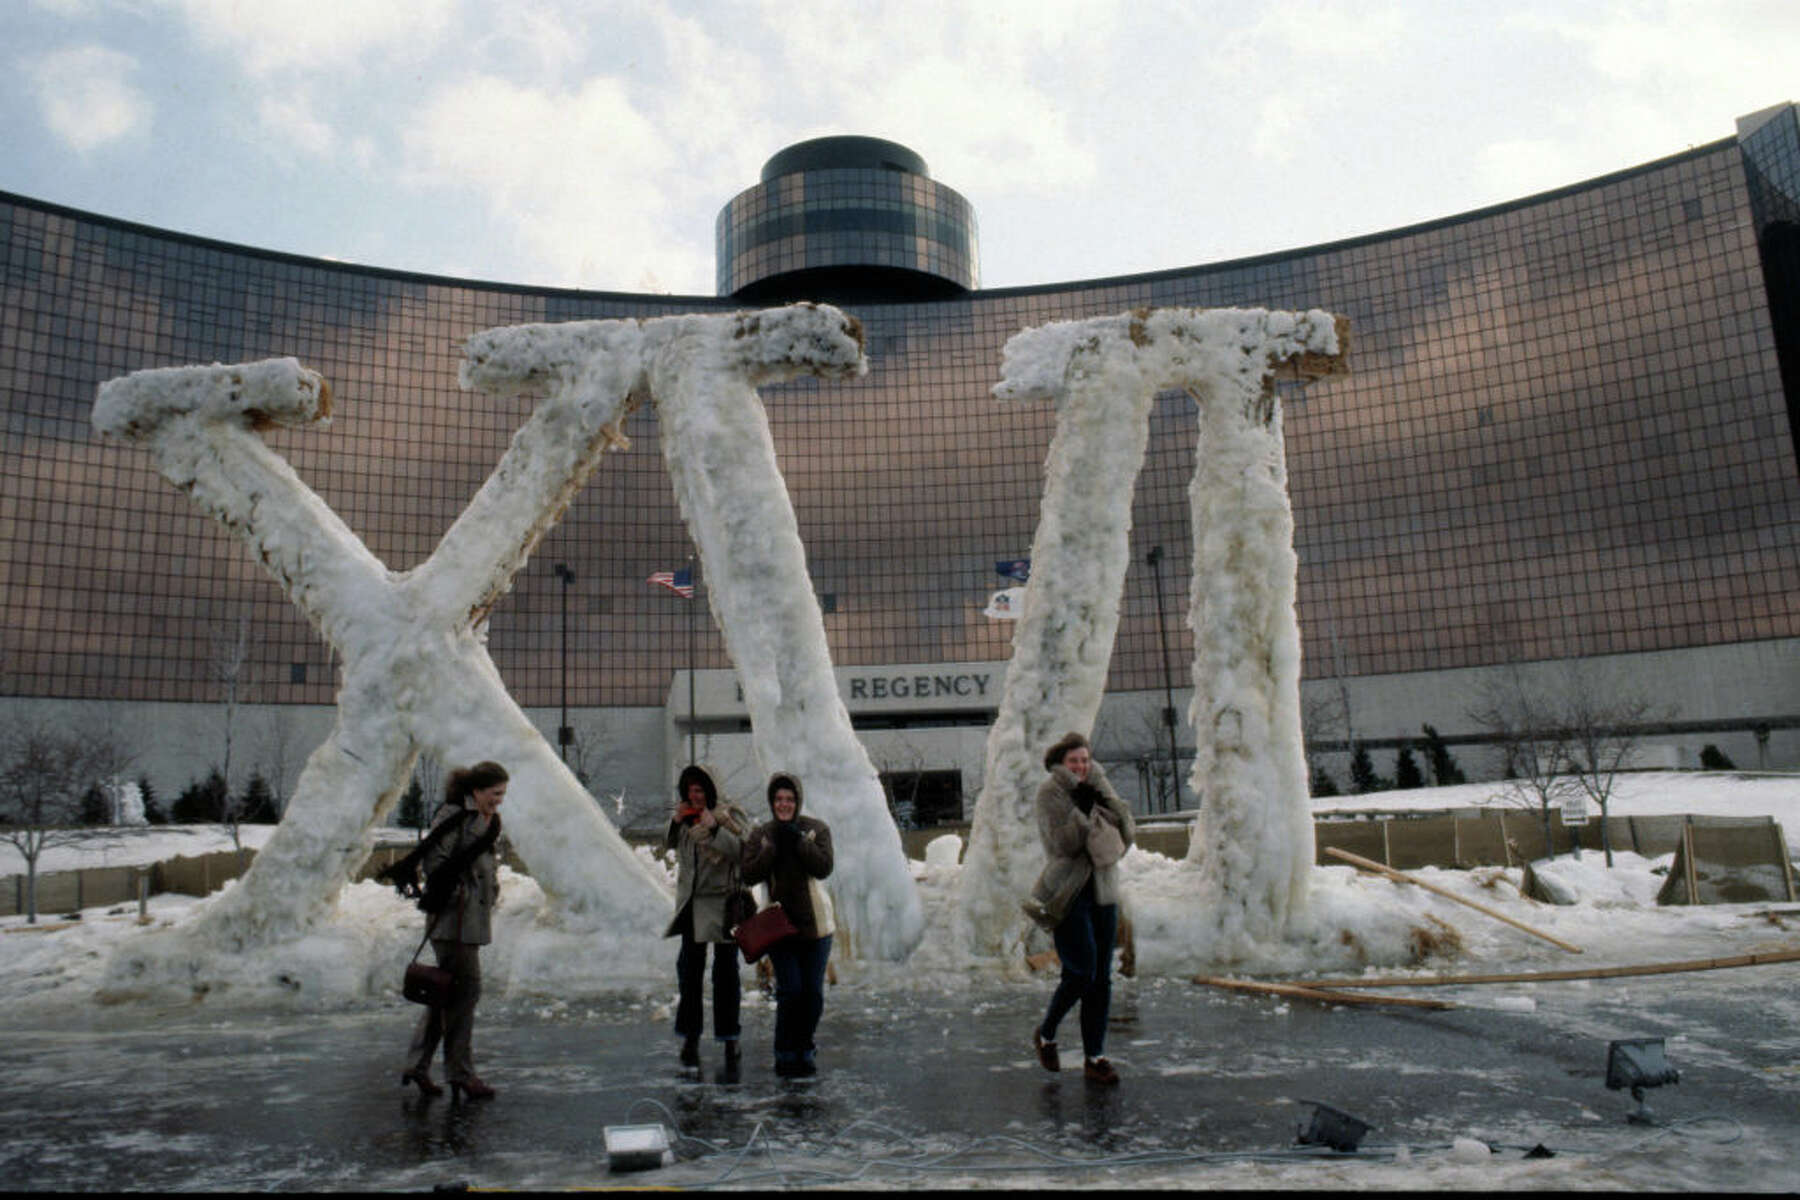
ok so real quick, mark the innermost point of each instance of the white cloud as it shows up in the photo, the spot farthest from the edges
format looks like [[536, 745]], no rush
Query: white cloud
[[547, 40], [575, 178], [1518, 167], [1671, 74], [290, 120], [989, 94], [321, 35], [87, 96]]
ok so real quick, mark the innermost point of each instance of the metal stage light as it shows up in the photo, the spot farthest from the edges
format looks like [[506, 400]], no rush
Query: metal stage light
[[1332, 1127], [1638, 1063]]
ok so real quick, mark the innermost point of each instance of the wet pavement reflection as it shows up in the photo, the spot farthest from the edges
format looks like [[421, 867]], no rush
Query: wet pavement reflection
[[134, 1099]]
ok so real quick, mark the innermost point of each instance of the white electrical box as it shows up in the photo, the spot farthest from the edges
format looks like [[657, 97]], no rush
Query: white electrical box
[[635, 1147]]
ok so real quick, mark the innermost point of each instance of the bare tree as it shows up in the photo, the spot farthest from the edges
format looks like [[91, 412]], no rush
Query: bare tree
[[1139, 737], [1564, 737], [430, 774], [590, 744], [44, 771], [1320, 714], [279, 752], [1605, 724], [902, 766], [230, 662], [1530, 729]]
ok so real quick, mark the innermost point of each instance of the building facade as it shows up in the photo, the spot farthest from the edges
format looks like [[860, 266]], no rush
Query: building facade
[[1569, 436]]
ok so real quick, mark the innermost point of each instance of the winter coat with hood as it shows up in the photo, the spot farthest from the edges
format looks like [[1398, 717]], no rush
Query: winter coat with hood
[[469, 917], [1064, 830], [706, 859], [792, 863]]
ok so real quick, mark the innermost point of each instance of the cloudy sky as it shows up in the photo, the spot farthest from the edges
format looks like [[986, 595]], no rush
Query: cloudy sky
[[591, 143]]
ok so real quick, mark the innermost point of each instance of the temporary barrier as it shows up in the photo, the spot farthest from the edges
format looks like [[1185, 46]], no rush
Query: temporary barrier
[[1731, 858], [1720, 864]]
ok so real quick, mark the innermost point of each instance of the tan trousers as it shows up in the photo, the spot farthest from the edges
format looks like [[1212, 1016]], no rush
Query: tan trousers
[[454, 1024]]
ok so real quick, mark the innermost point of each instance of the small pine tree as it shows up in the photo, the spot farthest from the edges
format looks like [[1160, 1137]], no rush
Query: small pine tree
[[153, 811], [96, 809], [1362, 773], [1406, 769], [411, 814], [257, 805], [1444, 770], [1323, 784], [202, 803], [1714, 759]]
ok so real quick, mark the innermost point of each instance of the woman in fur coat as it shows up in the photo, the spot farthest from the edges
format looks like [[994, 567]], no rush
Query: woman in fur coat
[[1085, 829]]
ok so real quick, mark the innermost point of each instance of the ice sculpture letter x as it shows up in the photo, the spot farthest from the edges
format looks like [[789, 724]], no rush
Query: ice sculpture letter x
[[1103, 375], [415, 672]]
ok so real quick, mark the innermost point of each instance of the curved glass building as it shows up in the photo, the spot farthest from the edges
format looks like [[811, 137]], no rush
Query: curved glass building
[[1568, 437]]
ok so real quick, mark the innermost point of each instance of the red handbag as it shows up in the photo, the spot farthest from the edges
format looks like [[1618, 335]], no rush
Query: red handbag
[[769, 926]]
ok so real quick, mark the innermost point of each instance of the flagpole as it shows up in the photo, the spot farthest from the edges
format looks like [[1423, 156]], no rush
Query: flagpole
[[690, 657]]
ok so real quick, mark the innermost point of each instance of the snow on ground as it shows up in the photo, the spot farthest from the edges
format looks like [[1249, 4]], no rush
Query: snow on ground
[[1356, 921], [141, 845], [1638, 794]]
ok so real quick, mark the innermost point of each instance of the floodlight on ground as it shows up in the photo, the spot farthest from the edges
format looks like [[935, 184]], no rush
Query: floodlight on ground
[[1332, 1127], [635, 1147], [1638, 1063]]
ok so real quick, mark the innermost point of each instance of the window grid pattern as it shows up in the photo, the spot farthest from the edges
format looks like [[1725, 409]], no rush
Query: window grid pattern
[[1564, 434]]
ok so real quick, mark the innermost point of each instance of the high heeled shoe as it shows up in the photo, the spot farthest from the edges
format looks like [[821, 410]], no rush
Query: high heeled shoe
[[423, 1079], [471, 1089]]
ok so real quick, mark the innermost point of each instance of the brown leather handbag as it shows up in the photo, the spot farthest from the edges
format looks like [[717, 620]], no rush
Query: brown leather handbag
[[765, 929]]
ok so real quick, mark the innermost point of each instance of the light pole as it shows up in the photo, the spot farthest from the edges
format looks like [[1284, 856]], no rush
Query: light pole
[[690, 657], [1154, 559], [564, 734]]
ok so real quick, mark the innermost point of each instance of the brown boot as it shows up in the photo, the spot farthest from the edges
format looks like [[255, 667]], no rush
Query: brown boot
[[1098, 1070], [1046, 1051], [471, 1088]]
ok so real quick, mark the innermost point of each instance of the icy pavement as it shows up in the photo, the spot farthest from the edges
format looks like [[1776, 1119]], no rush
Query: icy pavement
[[930, 1087]]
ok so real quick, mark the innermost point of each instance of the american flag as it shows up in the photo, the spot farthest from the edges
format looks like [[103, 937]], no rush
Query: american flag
[[680, 582]]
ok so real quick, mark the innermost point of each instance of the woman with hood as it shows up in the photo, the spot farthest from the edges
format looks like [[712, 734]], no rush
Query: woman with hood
[[1085, 829], [792, 854], [706, 834]]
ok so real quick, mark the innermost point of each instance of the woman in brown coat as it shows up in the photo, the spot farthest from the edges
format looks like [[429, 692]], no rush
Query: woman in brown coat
[[1085, 829], [462, 865], [793, 853]]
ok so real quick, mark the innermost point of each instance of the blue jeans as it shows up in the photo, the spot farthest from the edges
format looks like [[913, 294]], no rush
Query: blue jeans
[[690, 973], [1084, 943], [799, 965]]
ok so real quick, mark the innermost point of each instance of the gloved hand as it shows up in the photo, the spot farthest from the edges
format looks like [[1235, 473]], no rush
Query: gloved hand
[[787, 832], [1084, 795]]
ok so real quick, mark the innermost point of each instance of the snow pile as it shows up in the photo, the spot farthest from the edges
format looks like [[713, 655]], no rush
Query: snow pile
[[721, 459], [355, 957], [1103, 375], [1354, 922], [943, 851]]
